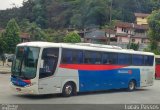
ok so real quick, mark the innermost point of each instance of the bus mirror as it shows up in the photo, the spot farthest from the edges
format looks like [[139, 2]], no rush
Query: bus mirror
[[41, 63]]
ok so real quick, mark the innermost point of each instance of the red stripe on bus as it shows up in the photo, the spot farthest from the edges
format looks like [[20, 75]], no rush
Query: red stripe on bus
[[91, 67], [27, 81]]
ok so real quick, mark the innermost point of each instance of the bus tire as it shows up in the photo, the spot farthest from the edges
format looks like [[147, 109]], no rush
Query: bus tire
[[131, 85], [68, 89]]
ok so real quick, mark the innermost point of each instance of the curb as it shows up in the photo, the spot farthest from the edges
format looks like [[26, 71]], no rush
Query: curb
[[4, 72]]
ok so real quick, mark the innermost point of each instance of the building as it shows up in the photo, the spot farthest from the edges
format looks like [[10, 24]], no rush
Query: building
[[100, 36], [25, 37], [131, 32], [141, 18], [95, 36], [124, 31], [2, 30], [140, 34]]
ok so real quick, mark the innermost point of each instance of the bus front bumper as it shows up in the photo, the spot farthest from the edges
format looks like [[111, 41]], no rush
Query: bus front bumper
[[31, 90]]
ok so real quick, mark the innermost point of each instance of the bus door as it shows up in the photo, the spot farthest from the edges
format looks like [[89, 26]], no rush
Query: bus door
[[47, 70]]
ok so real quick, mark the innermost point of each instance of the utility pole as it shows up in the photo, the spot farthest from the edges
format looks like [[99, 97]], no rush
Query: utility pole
[[130, 35], [110, 20]]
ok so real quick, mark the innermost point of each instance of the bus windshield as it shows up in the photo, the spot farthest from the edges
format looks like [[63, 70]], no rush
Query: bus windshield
[[25, 62]]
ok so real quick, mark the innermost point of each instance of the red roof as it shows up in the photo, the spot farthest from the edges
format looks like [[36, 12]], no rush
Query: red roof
[[141, 14], [25, 35], [131, 25], [111, 31], [124, 24]]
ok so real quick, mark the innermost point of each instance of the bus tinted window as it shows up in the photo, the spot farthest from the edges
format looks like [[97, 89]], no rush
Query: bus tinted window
[[109, 58], [124, 59], [105, 58], [113, 58], [77, 56], [148, 60], [72, 56], [66, 56], [137, 60], [92, 57]]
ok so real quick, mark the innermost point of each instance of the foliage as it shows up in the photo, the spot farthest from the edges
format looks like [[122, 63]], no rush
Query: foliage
[[11, 36], [154, 49], [134, 46], [1, 45], [72, 38], [60, 14], [54, 35], [154, 29], [36, 33]]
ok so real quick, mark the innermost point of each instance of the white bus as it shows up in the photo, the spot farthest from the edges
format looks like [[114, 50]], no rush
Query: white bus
[[47, 68]]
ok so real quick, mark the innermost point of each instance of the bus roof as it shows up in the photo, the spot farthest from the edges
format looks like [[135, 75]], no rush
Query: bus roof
[[84, 46]]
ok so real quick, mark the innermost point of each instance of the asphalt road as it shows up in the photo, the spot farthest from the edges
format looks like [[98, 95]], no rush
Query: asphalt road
[[147, 95]]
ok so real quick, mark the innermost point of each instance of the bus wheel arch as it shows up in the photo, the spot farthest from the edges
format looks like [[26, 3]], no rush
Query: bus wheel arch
[[69, 89], [132, 85]]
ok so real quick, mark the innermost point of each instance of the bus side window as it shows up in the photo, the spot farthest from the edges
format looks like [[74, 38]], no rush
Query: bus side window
[[148, 60], [91, 57], [137, 60], [66, 56], [105, 58], [72, 56], [97, 57], [124, 59], [87, 57], [113, 58], [77, 56]]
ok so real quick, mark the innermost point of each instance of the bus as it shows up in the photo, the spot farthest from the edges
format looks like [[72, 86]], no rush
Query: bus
[[157, 67], [48, 68]]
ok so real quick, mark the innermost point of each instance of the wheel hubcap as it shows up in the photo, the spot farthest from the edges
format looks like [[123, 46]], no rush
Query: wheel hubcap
[[68, 89], [131, 85]]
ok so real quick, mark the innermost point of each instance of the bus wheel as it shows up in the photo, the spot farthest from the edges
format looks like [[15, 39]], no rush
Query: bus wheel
[[131, 85], [68, 89]]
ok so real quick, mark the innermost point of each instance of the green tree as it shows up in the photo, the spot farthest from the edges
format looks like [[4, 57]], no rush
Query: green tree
[[134, 46], [36, 33], [154, 29], [1, 45], [54, 35], [72, 38], [11, 36]]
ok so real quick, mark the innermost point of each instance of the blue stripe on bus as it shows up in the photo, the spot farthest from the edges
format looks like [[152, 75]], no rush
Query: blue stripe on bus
[[107, 79], [18, 82]]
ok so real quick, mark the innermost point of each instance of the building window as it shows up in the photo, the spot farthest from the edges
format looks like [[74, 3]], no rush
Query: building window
[[133, 40], [125, 30]]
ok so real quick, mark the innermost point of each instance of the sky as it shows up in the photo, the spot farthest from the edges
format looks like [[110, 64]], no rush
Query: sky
[[4, 4]]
